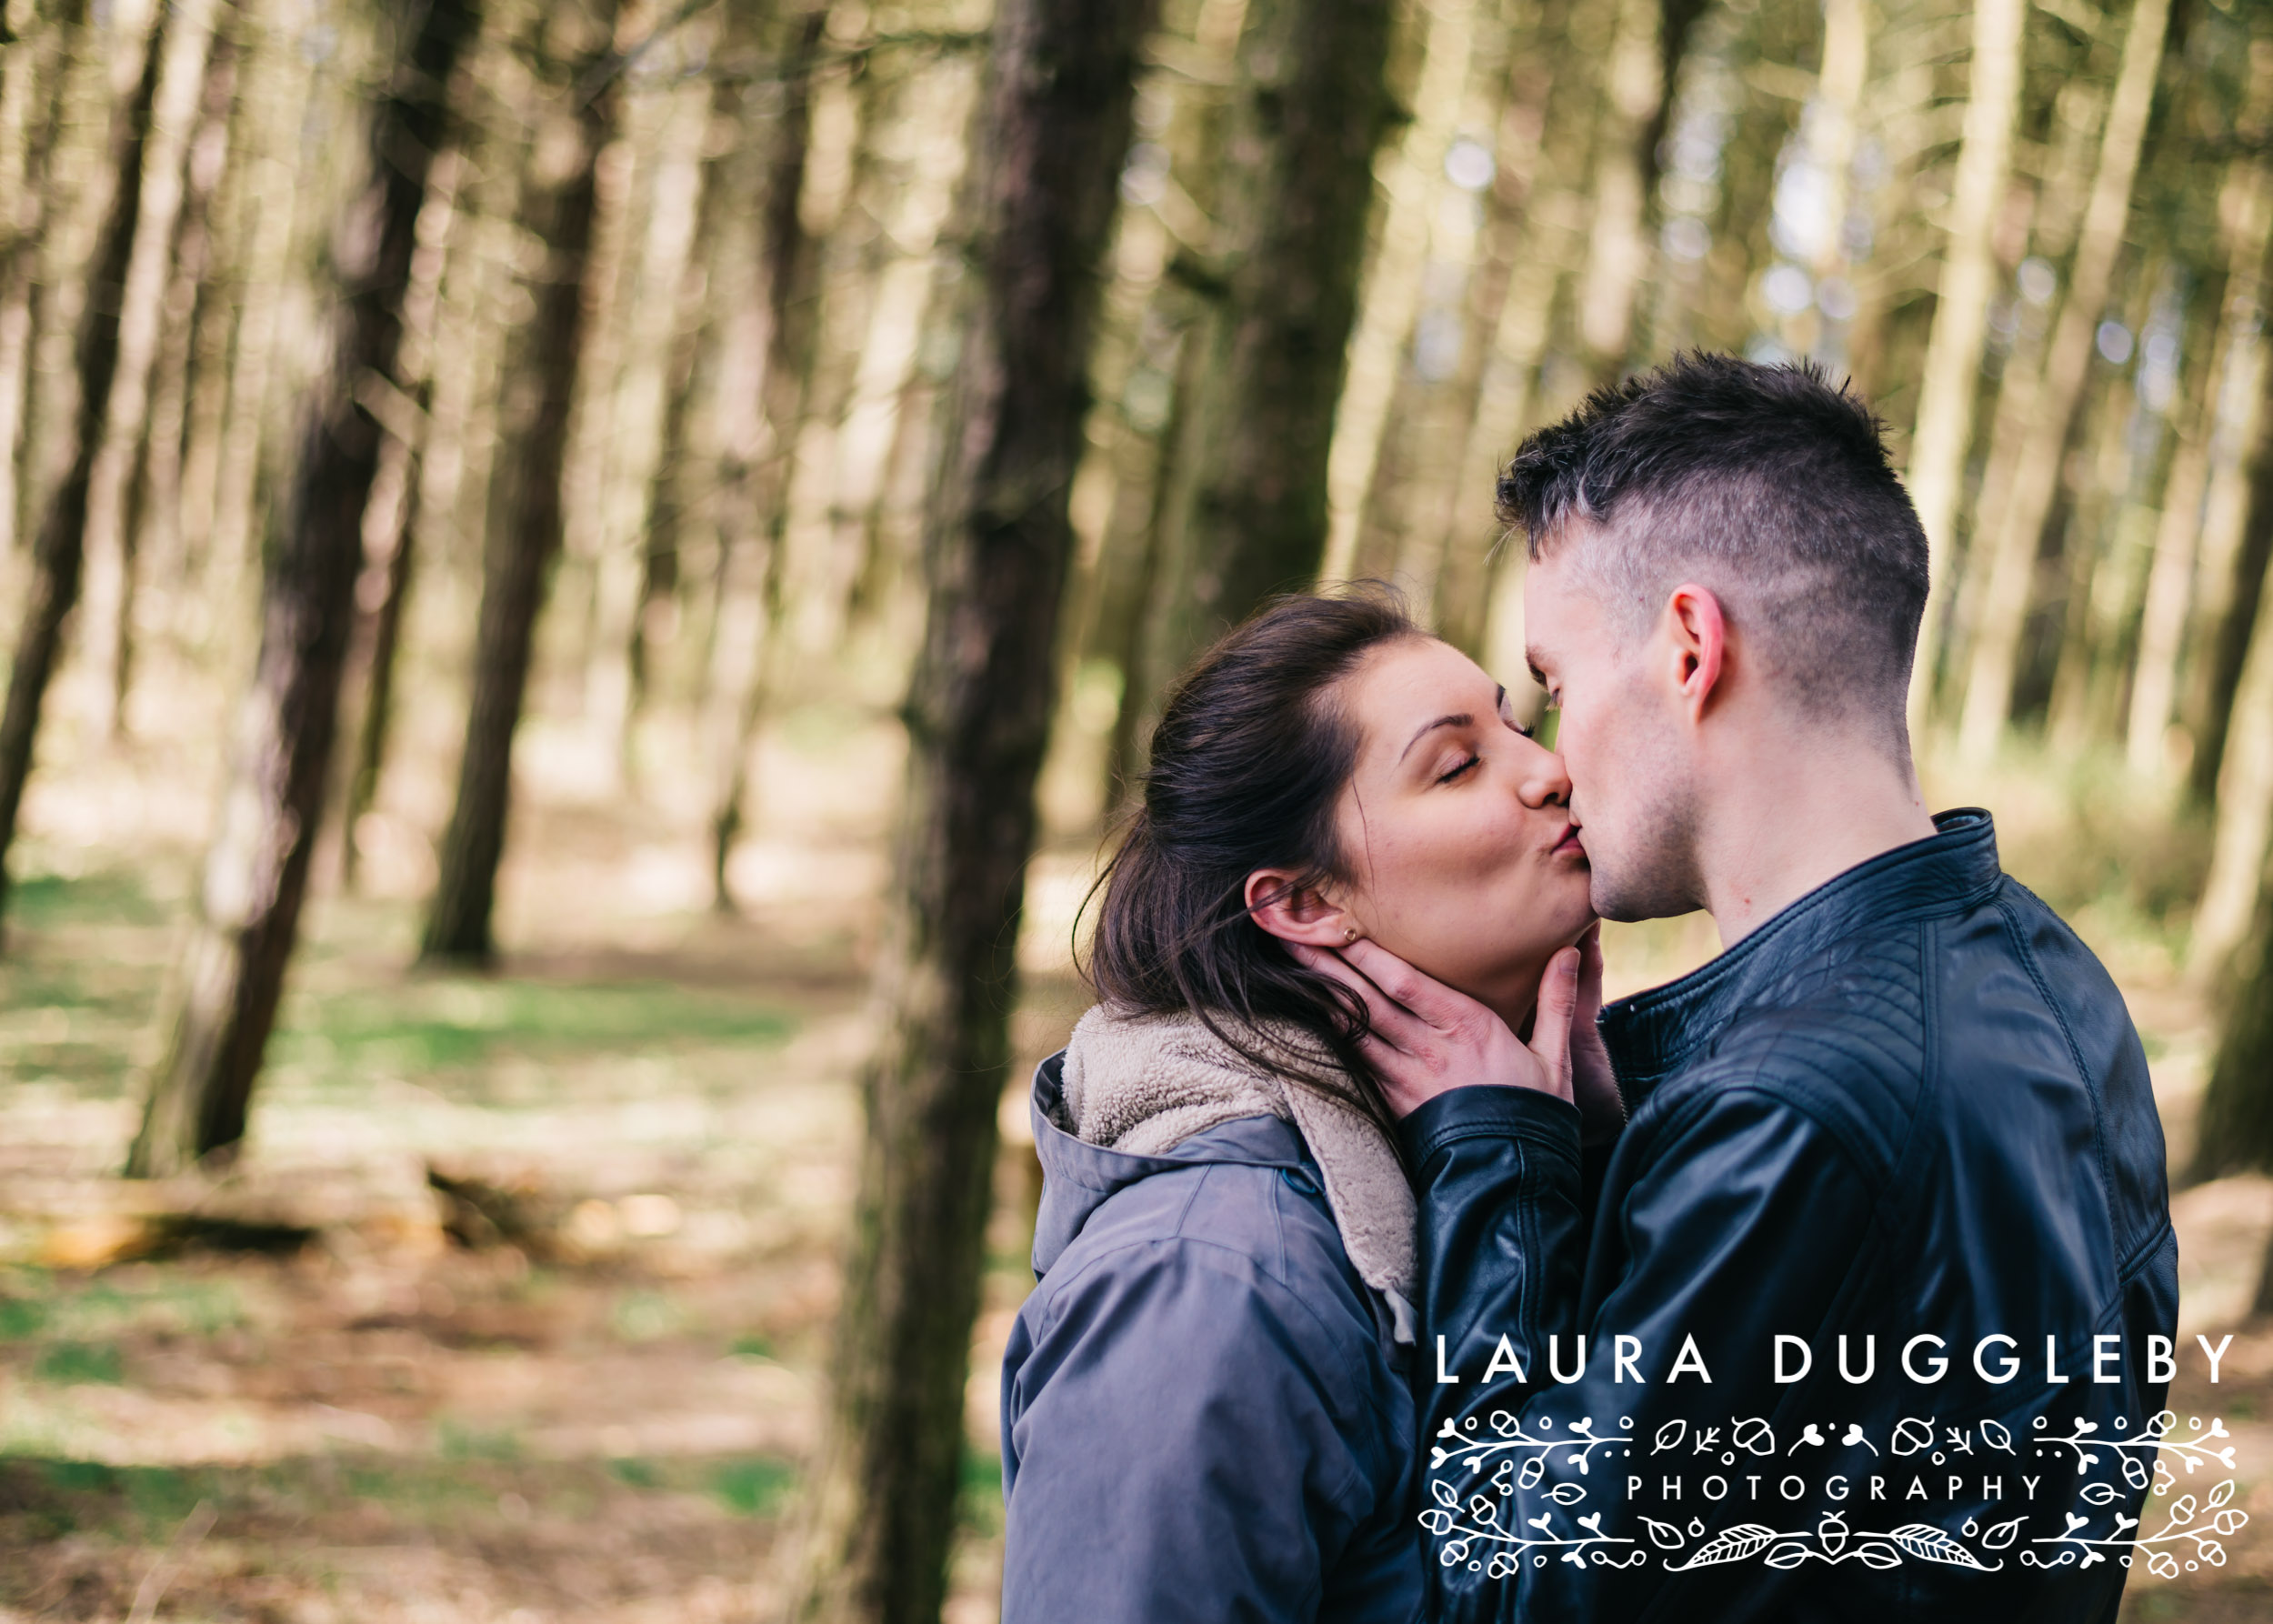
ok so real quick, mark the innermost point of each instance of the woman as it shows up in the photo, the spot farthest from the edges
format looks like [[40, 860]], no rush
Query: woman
[[1205, 1413]]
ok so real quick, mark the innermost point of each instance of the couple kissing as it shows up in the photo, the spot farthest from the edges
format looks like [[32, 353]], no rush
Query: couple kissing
[[1384, 1272]]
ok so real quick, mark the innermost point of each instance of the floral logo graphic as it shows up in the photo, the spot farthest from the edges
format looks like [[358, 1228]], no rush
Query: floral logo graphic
[[1482, 1480]]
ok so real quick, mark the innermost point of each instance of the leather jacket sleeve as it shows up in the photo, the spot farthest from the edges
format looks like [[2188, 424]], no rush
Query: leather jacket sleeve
[[1738, 1216]]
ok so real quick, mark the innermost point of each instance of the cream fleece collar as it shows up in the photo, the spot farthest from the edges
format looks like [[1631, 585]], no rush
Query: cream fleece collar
[[1144, 1084]]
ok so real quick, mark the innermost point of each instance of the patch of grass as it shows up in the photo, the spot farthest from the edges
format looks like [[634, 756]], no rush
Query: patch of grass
[[978, 1496], [631, 1469], [753, 1487], [110, 897], [80, 1494], [429, 1025], [458, 1442], [67, 1363], [646, 1317], [103, 1309], [21, 1318]]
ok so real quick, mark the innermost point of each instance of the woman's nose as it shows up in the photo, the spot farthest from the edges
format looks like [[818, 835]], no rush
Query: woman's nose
[[1544, 782]]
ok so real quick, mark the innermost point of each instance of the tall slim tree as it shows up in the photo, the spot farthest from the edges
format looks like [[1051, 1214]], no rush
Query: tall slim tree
[[1943, 433], [59, 546], [2003, 608], [996, 544], [1248, 514], [107, 624], [255, 875], [559, 205], [774, 339]]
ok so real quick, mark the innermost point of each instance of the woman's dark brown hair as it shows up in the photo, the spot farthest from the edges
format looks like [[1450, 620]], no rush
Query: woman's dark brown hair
[[1247, 767]]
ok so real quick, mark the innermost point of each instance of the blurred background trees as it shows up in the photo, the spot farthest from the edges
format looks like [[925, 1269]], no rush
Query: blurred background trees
[[652, 369]]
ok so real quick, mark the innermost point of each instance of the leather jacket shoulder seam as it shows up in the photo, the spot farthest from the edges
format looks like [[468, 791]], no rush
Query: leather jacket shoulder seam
[[2075, 1052]]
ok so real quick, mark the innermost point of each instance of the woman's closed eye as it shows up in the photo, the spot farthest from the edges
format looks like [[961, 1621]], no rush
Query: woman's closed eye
[[1460, 768]]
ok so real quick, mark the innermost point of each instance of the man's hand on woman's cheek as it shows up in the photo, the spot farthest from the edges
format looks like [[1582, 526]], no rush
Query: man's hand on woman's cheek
[[1428, 1039]]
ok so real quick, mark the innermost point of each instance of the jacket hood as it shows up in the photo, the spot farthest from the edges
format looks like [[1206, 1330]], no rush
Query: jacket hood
[[1079, 1177]]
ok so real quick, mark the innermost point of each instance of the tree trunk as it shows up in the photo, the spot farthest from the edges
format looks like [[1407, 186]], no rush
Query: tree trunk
[[1618, 252], [2234, 1131], [2244, 794], [58, 549], [2237, 547], [31, 106], [272, 806], [1297, 192], [1943, 432], [997, 539], [268, 201], [391, 525], [2035, 473], [760, 448], [105, 625], [1380, 347], [2200, 465], [559, 208], [153, 516]]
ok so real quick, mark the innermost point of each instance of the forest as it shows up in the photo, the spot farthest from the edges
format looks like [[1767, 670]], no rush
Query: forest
[[583, 582]]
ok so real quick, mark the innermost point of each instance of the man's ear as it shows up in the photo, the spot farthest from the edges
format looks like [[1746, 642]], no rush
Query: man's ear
[[1296, 913], [1697, 637]]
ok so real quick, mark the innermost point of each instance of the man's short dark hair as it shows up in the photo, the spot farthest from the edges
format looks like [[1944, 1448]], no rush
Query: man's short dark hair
[[1766, 484]]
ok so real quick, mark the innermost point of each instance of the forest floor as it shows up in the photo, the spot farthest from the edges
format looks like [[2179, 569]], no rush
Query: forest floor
[[517, 1307]]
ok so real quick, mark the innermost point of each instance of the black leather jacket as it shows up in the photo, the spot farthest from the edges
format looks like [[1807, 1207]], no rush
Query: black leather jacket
[[1911, 1105]]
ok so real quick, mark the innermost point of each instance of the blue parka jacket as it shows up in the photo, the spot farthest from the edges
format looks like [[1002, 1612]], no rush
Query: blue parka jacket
[[1206, 1415], [1892, 1191]]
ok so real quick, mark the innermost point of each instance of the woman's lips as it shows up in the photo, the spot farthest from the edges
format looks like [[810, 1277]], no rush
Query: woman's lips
[[1570, 842]]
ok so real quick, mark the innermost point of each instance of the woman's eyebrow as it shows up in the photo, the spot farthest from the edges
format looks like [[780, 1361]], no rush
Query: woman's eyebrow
[[1463, 720]]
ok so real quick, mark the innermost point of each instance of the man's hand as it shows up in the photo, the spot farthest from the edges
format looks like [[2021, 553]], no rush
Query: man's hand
[[1428, 1039]]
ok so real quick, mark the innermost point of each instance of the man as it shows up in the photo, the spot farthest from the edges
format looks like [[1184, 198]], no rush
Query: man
[[1869, 1305]]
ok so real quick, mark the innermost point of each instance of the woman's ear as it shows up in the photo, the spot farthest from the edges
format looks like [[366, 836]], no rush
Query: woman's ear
[[1297, 913]]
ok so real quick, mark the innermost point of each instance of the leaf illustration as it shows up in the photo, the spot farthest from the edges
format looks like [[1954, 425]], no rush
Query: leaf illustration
[[1993, 1433], [2002, 1535], [1567, 1494], [1879, 1556], [1730, 1545], [1443, 1492], [1788, 1555], [1669, 1435], [2220, 1495], [1664, 1535], [1929, 1544]]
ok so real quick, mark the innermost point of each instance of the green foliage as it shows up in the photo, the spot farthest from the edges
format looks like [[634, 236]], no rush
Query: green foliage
[[754, 1487], [65, 1363]]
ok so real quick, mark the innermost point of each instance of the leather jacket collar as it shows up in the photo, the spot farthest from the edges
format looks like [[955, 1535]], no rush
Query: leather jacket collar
[[1654, 1034]]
